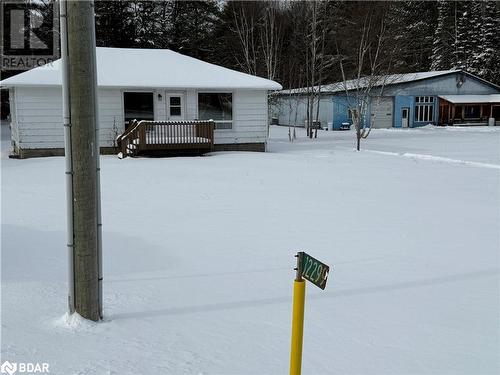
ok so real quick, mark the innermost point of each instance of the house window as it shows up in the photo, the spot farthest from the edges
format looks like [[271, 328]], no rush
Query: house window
[[175, 106], [424, 108], [424, 99], [217, 107], [138, 106]]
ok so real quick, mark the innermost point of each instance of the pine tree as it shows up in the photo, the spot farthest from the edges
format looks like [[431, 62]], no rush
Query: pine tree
[[444, 36], [114, 24], [466, 34], [191, 28], [148, 19], [467, 37], [412, 25], [435, 35], [487, 61]]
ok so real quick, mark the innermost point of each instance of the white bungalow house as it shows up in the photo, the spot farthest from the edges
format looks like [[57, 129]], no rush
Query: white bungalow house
[[147, 84]]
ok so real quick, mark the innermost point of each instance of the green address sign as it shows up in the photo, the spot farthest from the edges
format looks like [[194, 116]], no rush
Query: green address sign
[[313, 270]]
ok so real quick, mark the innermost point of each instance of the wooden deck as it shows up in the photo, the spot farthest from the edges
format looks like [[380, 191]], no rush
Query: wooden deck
[[163, 138]]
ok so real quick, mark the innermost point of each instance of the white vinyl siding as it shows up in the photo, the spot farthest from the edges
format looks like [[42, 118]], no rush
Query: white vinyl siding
[[39, 117], [38, 124], [191, 105], [250, 119], [14, 131]]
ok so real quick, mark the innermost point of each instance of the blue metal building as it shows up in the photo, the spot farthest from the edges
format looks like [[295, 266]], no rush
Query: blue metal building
[[405, 100]]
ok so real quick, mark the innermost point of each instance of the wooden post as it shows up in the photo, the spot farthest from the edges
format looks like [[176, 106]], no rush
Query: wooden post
[[82, 103]]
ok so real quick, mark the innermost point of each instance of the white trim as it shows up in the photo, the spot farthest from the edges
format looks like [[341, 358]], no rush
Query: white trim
[[182, 95], [14, 123]]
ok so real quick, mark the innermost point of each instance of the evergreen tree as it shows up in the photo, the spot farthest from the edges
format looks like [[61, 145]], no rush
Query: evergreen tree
[[467, 37], [486, 61], [466, 31], [150, 20], [442, 51], [191, 28], [421, 35], [412, 26], [114, 24]]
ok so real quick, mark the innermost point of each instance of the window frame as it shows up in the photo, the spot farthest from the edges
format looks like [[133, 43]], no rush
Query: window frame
[[217, 127], [123, 91], [424, 108], [168, 106]]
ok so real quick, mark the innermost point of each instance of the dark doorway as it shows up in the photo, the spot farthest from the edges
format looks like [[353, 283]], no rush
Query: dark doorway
[[496, 112], [5, 108]]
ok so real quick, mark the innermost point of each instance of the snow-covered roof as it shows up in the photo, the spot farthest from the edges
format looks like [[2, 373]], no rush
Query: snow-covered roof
[[471, 99], [149, 68], [362, 82]]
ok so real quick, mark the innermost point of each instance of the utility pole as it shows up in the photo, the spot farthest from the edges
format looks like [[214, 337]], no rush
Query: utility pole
[[82, 157]]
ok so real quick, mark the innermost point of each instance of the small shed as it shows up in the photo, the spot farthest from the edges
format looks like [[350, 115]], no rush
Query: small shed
[[142, 84]]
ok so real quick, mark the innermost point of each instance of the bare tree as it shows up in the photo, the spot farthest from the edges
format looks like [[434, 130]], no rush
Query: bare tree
[[295, 100], [270, 32], [371, 69], [271, 35], [316, 60], [245, 25]]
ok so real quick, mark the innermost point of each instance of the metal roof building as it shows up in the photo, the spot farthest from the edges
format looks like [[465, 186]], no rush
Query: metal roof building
[[403, 100]]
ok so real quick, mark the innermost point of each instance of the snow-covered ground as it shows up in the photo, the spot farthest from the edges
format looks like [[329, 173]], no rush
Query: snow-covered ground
[[198, 258]]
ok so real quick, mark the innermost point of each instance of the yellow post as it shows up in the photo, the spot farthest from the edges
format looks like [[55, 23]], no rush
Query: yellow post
[[299, 293]]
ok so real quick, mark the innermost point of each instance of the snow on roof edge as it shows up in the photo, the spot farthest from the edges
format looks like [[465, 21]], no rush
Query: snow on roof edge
[[473, 98], [162, 68], [256, 88], [398, 79]]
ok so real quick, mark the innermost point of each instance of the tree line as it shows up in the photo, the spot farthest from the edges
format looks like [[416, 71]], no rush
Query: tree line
[[302, 43], [307, 43]]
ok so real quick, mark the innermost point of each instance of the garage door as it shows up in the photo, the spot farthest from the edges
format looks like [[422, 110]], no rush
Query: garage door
[[382, 109]]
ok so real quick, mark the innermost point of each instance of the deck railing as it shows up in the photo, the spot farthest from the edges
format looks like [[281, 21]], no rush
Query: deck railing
[[165, 136]]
